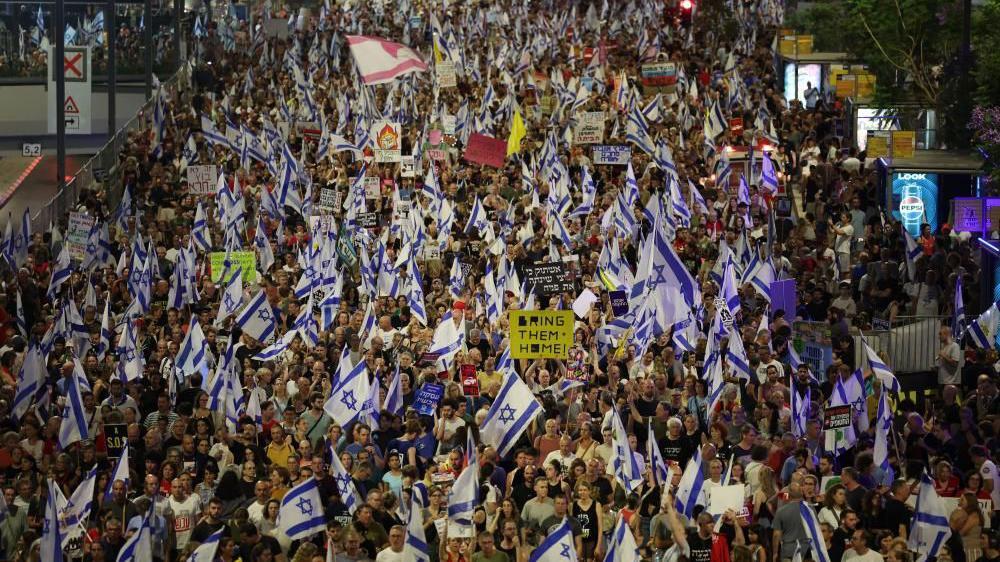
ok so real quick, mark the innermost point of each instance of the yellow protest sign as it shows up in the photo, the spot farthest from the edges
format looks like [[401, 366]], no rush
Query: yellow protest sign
[[903, 144], [541, 334], [878, 146], [246, 260]]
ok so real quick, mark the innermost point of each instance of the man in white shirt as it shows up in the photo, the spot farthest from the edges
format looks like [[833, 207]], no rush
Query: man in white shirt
[[859, 551], [767, 361], [988, 470], [949, 359], [394, 553], [186, 508], [258, 509], [811, 94], [842, 244]]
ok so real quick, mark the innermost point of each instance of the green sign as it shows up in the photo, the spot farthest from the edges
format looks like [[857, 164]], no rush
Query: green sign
[[246, 260], [345, 248]]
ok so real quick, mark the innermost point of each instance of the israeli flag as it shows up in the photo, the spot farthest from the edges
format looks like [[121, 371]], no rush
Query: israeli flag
[[206, 550], [622, 546], [61, 271], [691, 489], [510, 414], [463, 498], [30, 378], [881, 370], [811, 525], [77, 511], [121, 472], [348, 491], [301, 512], [232, 297], [624, 465], [557, 546], [51, 545], [73, 427], [415, 547], [930, 529], [194, 349], [347, 399], [394, 396], [257, 318]]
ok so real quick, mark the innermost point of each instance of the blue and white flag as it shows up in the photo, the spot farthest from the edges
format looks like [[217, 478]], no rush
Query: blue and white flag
[[883, 428], [448, 339], [768, 176], [509, 415], [73, 427], [199, 232], [624, 464], [257, 318], [456, 278], [139, 547], [958, 316], [415, 547], [22, 239], [983, 331], [811, 525], [661, 474], [61, 271], [881, 370], [232, 297], [51, 545], [348, 491], [463, 498], [394, 396], [348, 397], [800, 408], [557, 546], [691, 489], [206, 551], [477, 218], [22, 324], [74, 517], [622, 546], [840, 440], [913, 251], [930, 529], [121, 472], [194, 349], [30, 379], [301, 512]]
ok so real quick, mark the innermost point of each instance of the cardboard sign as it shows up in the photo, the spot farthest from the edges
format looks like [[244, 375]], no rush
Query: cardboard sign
[[77, 234], [470, 382], [345, 248], [589, 128], [245, 260], [446, 74], [611, 154], [877, 145], [202, 179], [660, 75], [373, 187], [116, 435], [541, 334], [408, 167], [486, 150], [328, 198], [387, 135], [837, 417], [448, 123], [432, 252], [368, 220], [548, 278], [619, 303], [427, 398], [723, 498]]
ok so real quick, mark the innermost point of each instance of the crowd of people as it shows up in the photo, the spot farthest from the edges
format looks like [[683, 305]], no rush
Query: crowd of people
[[139, 347]]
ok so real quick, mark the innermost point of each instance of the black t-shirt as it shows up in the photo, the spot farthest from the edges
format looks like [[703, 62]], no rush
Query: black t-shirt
[[839, 543], [894, 514], [855, 497], [205, 529], [701, 549], [675, 450]]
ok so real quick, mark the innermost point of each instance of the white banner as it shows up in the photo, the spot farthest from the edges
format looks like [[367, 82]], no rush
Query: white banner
[[611, 154], [589, 128], [202, 179]]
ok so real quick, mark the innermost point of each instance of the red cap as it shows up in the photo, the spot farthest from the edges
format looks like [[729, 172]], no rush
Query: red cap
[[459, 305]]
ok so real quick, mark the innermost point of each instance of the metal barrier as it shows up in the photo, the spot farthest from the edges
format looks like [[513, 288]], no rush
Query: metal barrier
[[104, 166], [911, 343]]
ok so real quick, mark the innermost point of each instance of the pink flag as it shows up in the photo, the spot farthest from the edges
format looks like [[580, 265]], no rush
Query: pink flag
[[382, 61]]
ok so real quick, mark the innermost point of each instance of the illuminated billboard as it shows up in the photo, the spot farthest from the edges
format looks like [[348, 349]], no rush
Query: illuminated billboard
[[914, 200]]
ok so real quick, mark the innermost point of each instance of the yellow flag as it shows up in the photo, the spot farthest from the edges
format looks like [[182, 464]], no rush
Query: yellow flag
[[437, 50], [517, 132]]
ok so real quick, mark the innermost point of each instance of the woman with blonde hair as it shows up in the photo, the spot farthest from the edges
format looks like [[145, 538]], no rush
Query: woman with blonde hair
[[763, 498]]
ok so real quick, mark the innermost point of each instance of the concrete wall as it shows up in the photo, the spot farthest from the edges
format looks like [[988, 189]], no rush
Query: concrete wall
[[24, 109]]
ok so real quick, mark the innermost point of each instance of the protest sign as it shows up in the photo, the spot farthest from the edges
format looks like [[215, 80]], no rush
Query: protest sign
[[611, 154], [387, 141], [77, 234], [837, 417], [619, 303], [541, 334], [368, 220], [486, 150], [448, 124], [202, 179], [246, 260], [407, 167], [660, 75], [328, 198], [427, 398], [116, 438], [589, 128], [723, 498], [548, 278], [446, 74], [373, 187]]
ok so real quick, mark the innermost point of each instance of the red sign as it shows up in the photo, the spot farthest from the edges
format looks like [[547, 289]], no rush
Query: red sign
[[70, 105], [470, 383], [736, 126], [486, 150]]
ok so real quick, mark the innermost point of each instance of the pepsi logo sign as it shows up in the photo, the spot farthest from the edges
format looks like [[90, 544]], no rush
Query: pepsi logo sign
[[911, 207]]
